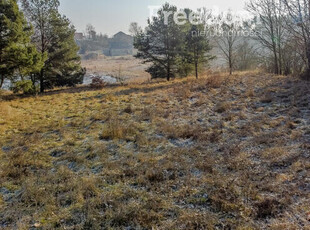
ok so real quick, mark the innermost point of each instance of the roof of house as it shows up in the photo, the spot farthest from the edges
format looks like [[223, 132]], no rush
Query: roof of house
[[121, 41]]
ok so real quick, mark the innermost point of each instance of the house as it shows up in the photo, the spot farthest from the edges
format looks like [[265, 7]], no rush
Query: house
[[119, 45], [79, 36]]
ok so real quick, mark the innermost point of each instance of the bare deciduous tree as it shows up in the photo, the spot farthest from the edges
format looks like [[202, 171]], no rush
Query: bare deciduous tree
[[269, 27], [134, 29], [91, 32], [227, 32], [298, 24]]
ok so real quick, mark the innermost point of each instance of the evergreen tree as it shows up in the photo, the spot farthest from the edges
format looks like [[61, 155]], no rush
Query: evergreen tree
[[160, 44], [62, 67], [54, 35], [197, 47], [184, 61], [17, 55]]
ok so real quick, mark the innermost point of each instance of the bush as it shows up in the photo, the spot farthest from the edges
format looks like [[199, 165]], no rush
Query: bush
[[157, 71], [25, 86], [97, 83]]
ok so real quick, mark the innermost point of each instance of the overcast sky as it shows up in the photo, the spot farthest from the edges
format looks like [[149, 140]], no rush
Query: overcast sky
[[112, 16]]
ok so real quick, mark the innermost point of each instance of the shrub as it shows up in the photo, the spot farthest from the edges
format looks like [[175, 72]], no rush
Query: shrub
[[24, 86], [117, 130], [266, 99], [215, 81], [222, 107], [267, 208], [97, 83]]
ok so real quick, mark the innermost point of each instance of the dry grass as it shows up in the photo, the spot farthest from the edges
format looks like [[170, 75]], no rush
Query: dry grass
[[126, 66], [221, 152]]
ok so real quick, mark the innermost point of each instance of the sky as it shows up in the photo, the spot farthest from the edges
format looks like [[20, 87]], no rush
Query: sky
[[112, 16]]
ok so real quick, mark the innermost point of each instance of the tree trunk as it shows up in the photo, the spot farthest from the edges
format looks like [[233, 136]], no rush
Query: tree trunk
[[1, 82], [280, 59], [42, 81], [32, 77], [168, 76], [276, 66], [168, 71], [308, 47], [230, 61], [196, 69], [308, 54], [308, 67]]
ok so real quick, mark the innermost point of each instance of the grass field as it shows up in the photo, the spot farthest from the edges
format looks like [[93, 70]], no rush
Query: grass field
[[124, 66], [223, 152]]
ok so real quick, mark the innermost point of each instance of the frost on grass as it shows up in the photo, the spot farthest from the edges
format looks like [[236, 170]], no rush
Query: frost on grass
[[215, 153]]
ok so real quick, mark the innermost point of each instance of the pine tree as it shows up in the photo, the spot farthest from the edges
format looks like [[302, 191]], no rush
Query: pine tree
[[63, 65], [197, 47], [184, 61], [17, 55], [54, 35], [160, 44]]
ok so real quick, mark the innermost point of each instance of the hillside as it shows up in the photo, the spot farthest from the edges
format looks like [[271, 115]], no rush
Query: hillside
[[215, 153]]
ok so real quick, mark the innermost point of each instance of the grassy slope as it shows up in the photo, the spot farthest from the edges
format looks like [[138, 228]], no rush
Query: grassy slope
[[214, 153]]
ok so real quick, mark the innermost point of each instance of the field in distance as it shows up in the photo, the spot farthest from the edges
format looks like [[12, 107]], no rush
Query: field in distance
[[124, 66]]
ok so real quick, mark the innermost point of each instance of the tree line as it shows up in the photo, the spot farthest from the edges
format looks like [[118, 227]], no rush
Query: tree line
[[37, 42], [276, 38], [37, 45]]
